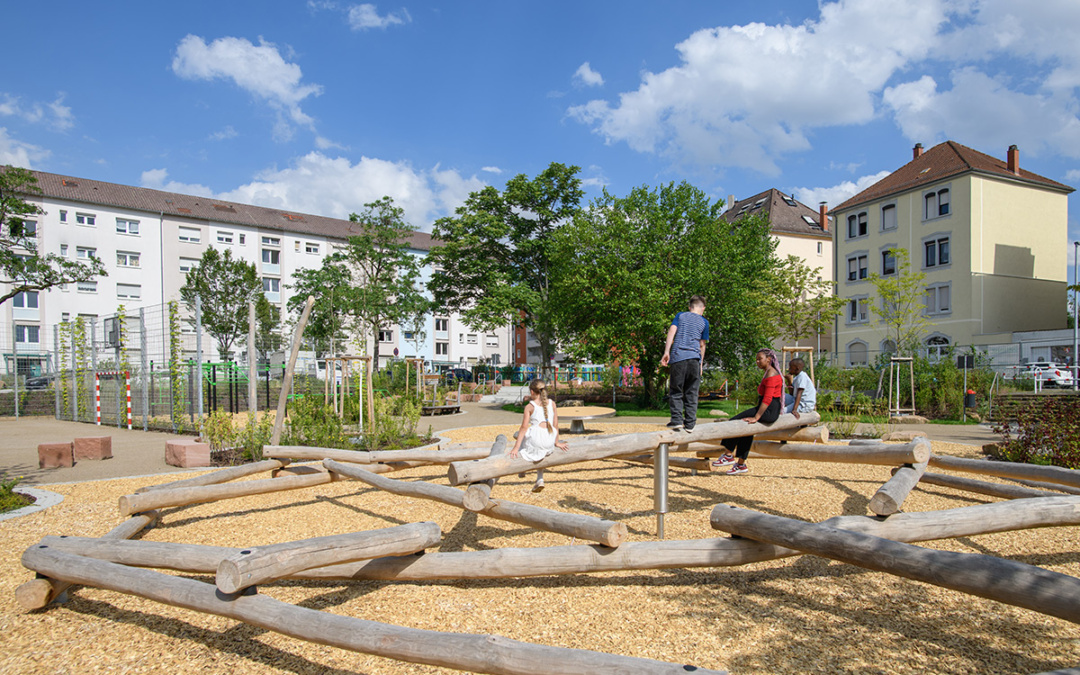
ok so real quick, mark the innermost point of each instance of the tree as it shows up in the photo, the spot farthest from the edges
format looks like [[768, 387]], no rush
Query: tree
[[494, 265], [901, 305], [22, 266], [626, 266], [373, 283], [225, 286], [331, 285], [268, 339], [797, 303]]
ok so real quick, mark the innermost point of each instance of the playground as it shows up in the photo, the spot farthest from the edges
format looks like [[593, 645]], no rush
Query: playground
[[793, 614]]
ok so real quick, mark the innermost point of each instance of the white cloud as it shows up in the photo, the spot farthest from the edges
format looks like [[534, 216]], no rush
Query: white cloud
[[225, 134], [54, 114], [158, 179], [587, 77], [832, 196], [17, 153], [363, 17], [1072, 175], [323, 143], [746, 95], [491, 169], [258, 69]]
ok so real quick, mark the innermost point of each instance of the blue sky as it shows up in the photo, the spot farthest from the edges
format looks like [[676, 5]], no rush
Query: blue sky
[[320, 106]]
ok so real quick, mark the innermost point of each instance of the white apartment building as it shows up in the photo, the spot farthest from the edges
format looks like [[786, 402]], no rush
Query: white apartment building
[[149, 239]]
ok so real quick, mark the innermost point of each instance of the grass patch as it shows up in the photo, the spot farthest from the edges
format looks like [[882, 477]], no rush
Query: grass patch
[[10, 500]]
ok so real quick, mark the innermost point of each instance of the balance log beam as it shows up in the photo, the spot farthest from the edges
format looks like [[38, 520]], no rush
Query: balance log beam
[[1046, 486], [679, 462], [575, 525], [477, 495], [158, 499], [577, 559], [427, 454], [986, 576], [883, 454], [1004, 491], [805, 434], [461, 651], [890, 497], [623, 444], [38, 593], [1050, 474], [220, 476], [260, 564]]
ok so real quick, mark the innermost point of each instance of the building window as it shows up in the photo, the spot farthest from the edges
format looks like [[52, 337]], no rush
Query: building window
[[857, 225], [938, 300], [296, 246], [857, 353], [442, 325], [63, 250], [28, 335], [937, 347], [87, 287], [243, 239], [23, 228], [888, 263], [271, 257], [461, 338], [187, 264], [192, 235], [386, 336], [224, 237], [271, 241], [888, 347], [124, 226], [492, 341], [858, 310], [129, 291], [271, 285], [820, 247], [407, 335], [858, 267], [888, 217], [936, 204], [25, 300], [442, 348], [471, 339], [87, 219], [63, 216], [309, 247], [85, 253], [127, 259], [936, 252]]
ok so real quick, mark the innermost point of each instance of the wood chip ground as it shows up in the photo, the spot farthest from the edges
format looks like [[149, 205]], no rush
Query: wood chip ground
[[797, 615]]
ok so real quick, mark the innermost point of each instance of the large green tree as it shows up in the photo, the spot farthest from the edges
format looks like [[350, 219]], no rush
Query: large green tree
[[225, 286], [494, 263], [330, 319], [901, 307], [797, 303], [374, 283], [22, 266], [627, 265]]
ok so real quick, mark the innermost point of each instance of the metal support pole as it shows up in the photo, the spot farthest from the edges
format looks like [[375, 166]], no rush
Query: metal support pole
[[74, 381], [660, 487], [146, 374], [15, 361], [253, 391], [56, 367], [198, 353]]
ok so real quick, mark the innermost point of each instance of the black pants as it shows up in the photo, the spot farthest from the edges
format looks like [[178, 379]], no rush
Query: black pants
[[741, 445], [683, 383]]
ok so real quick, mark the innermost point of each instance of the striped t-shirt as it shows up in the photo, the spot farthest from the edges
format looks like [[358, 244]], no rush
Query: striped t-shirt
[[692, 328]]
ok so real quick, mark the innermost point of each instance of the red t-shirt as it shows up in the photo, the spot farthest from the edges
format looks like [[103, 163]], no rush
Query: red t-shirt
[[770, 388]]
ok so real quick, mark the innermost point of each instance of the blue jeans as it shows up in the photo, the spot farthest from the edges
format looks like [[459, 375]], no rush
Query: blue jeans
[[683, 383]]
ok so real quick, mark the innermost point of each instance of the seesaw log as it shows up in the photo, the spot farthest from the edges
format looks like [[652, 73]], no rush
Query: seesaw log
[[477, 495], [475, 653], [428, 454], [158, 499], [1050, 474], [219, 476], [882, 454], [805, 434]]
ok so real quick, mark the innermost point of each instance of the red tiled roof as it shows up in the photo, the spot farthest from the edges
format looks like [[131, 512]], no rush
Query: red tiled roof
[[202, 208], [944, 161], [783, 217]]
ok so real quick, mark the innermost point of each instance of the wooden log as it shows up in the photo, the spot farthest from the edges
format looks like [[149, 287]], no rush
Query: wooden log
[[575, 525], [298, 470], [1046, 486], [260, 564], [804, 434], [158, 499], [38, 593], [986, 576], [680, 462], [890, 497], [883, 454], [218, 477], [477, 495], [476, 653], [1050, 474], [1005, 491], [528, 562], [286, 382], [610, 446], [426, 455]]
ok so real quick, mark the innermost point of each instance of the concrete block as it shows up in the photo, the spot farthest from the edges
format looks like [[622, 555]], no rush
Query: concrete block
[[96, 447], [187, 453], [905, 436], [53, 455]]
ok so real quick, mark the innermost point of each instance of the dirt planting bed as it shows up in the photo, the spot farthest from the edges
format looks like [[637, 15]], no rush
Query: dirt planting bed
[[795, 615]]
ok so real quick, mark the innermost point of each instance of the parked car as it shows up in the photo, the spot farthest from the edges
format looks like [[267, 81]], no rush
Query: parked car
[[39, 382], [459, 374], [1052, 375]]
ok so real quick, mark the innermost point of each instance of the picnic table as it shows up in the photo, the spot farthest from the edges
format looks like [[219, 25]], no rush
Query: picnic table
[[577, 416]]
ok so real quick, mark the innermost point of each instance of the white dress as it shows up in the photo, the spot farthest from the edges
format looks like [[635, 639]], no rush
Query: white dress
[[539, 442]]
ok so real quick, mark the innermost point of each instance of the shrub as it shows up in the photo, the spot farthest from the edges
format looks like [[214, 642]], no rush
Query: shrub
[[312, 422], [394, 423], [1046, 431], [255, 434], [217, 430], [9, 499]]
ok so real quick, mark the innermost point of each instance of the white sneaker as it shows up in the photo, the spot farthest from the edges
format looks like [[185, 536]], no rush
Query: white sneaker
[[539, 485]]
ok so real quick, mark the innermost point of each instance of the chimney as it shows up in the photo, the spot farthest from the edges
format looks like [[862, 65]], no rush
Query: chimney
[[916, 152], [823, 215], [730, 202], [1014, 160]]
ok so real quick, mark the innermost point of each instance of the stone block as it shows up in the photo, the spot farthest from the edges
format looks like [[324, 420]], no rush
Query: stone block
[[719, 413], [96, 447], [187, 453], [905, 436], [53, 455], [908, 419]]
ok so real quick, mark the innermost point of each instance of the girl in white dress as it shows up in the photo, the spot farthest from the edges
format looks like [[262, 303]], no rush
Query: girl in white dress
[[539, 432]]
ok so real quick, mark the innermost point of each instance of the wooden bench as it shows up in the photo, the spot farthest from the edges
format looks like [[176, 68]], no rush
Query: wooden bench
[[440, 409]]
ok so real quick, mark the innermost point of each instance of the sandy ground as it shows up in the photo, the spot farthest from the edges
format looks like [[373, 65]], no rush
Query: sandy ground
[[795, 615]]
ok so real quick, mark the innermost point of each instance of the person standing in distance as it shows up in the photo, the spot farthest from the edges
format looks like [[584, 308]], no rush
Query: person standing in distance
[[685, 352]]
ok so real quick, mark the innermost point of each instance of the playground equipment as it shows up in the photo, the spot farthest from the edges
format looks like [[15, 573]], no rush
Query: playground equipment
[[896, 368], [97, 395], [340, 381], [809, 351]]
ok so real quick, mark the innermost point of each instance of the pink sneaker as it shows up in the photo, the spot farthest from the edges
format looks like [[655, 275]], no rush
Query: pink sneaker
[[725, 460], [737, 469]]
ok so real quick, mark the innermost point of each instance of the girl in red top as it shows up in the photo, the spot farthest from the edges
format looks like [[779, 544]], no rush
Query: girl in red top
[[770, 404]]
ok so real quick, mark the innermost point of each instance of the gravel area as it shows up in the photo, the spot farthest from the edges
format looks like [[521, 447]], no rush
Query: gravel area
[[796, 615]]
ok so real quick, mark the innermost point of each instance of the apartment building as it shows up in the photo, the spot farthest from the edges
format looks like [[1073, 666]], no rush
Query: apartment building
[[990, 237], [149, 239]]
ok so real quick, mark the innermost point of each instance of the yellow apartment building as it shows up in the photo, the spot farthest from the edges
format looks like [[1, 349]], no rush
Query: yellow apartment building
[[990, 237]]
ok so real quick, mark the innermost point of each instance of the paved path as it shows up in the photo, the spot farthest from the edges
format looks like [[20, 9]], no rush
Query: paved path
[[141, 453]]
